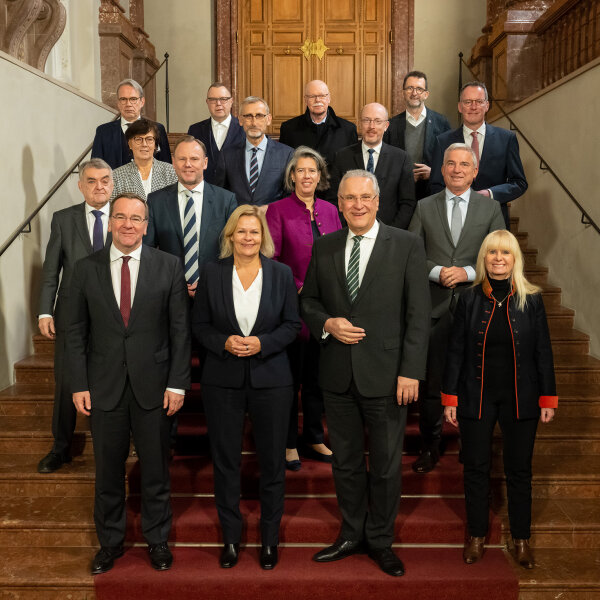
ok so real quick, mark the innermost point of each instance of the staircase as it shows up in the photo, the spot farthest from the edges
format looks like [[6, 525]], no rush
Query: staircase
[[47, 530]]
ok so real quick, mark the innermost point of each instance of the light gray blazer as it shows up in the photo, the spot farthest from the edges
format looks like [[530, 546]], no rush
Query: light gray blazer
[[127, 178]]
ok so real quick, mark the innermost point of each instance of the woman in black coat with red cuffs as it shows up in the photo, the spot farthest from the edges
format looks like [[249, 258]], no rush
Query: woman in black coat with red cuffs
[[499, 368]]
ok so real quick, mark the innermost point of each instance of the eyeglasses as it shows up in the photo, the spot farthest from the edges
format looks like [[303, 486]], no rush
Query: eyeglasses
[[377, 122], [132, 100], [410, 89], [135, 219], [257, 117], [470, 102], [316, 96], [149, 140], [222, 100], [365, 199]]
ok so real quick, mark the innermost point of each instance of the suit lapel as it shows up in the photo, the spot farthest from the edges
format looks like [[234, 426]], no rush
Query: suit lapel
[[472, 210], [227, 291], [81, 227], [172, 209], [207, 212], [106, 285], [440, 204], [338, 257], [489, 137], [265, 295], [358, 157], [242, 168], [382, 164], [230, 133], [146, 275], [377, 258]]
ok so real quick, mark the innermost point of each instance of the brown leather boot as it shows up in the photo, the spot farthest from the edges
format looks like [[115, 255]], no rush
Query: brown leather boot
[[523, 553], [473, 549]]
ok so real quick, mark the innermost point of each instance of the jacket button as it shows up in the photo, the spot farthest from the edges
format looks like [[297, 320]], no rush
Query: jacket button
[[453, 261], [318, 224]]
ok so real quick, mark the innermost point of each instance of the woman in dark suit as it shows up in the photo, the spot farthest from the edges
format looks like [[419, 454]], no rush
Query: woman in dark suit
[[499, 369], [295, 222], [245, 315]]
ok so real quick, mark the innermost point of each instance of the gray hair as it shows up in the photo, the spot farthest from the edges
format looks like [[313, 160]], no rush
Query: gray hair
[[306, 152], [474, 83], [459, 146], [252, 100], [134, 84], [93, 163], [360, 173]]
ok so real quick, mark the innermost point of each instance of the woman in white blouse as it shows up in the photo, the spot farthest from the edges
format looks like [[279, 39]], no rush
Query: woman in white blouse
[[245, 315], [144, 174]]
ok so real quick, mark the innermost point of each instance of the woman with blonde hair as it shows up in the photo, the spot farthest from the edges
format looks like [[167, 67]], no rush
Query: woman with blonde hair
[[499, 368]]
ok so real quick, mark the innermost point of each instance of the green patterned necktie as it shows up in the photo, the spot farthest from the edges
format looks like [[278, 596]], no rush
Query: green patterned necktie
[[353, 263]]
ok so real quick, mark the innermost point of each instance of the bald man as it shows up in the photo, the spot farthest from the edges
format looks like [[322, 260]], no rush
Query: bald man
[[319, 127]]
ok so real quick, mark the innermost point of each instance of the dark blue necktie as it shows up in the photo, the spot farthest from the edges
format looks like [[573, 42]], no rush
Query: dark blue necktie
[[370, 162], [98, 235]]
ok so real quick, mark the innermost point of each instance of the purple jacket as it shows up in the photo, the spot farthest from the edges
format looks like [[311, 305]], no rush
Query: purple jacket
[[290, 227]]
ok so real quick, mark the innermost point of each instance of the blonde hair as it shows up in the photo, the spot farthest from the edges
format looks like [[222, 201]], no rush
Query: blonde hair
[[246, 210], [505, 240]]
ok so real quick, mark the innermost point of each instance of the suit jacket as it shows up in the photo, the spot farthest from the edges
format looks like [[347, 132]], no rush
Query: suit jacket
[[333, 135], [430, 221], [154, 350], [110, 145], [69, 241], [127, 178], [392, 305], [394, 174], [500, 167], [277, 324], [231, 173], [165, 230], [203, 132], [435, 123]]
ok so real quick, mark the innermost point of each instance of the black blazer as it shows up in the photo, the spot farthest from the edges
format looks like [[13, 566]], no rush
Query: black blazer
[[231, 173], [464, 372], [154, 351], [277, 324], [165, 230], [203, 132], [110, 145], [392, 305], [394, 174]]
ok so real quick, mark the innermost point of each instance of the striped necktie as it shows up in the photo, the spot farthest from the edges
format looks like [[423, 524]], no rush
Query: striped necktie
[[353, 264], [190, 242], [253, 170]]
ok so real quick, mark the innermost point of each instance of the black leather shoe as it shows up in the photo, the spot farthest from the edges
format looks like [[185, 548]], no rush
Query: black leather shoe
[[293, 465], [426, 461], [51, 462], [309, 452], [268, 557], [161, 558], [338, 550], [105, 559], [229, 556], [388, 562]]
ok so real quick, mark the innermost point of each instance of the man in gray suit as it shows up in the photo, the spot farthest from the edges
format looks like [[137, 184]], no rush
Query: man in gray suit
[[75, 232], [452, 223], [365, 298]]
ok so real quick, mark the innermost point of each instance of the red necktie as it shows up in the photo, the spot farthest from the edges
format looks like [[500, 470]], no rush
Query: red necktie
[[475, 145], [125, 290]]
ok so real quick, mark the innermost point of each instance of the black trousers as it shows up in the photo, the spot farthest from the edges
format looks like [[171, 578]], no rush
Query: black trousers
[[64, 414], [368, 498], [518, 439], [111, 435], [304, 360], [269, 411]]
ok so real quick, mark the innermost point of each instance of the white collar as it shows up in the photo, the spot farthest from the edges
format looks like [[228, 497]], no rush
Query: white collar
[[182, 189], [377, 148], [115, 253], [225, 122], [105, 209], [372, 233]]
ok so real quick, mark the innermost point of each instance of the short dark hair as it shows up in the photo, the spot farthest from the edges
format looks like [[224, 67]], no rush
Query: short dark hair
[[474, 83], [417, 74], [184, 139], [216, 84], [141, 127], [131, 196]]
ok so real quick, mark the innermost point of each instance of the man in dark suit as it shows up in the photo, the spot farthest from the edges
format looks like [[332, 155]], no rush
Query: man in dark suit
[[500, 175], [110, 144], [254, 171], [75, 232], [186, 218], [128, 346], [452, 223], [365, 298], [392, 167], [222, 130], [416, 129], [319, 127]]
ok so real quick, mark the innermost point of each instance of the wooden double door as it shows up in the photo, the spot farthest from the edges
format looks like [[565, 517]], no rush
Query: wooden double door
[[282, 44]]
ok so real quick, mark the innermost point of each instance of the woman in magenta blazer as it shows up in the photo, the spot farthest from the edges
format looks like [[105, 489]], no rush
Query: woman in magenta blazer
[[295, 222]]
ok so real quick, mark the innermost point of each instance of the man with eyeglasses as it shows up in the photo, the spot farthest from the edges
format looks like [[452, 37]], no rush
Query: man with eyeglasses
[[254, 172], [366, 299], [416, 129], [110, 144], [319, 127], [501, 175], [128, 348], [392, 167], [219, 132]]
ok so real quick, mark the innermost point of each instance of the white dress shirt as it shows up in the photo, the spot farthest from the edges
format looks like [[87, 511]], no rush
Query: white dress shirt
[[366, 247], [365, 152], [480, 137], [146, 183], [125, 123], [246, 302], [90, 220], [416, 122], [197, 195], [463, 205], [220, 130]]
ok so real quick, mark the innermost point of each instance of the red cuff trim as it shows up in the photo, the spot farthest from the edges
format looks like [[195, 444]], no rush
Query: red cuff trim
[[548, 401], [449, 400]]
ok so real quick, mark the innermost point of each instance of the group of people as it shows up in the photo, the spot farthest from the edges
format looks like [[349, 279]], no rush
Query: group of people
[[235, 245]]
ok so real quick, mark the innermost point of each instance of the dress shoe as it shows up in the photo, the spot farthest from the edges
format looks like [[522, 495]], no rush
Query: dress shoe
[[308, 451], [105, 559], [426, 461], [473, 550], [523, 553], [229, 555], [338, 550], [51, 462], [388, 562], [268, 557], [293, 465], [161, 558]]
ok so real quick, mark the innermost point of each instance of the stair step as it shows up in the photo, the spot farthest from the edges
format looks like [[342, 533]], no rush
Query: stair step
[[569, 341], [530, 256], [569, 435], [43, 345], [23, 399], [38, 368], [552, 295], [536, 274], [579, 399], [577, 369]]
